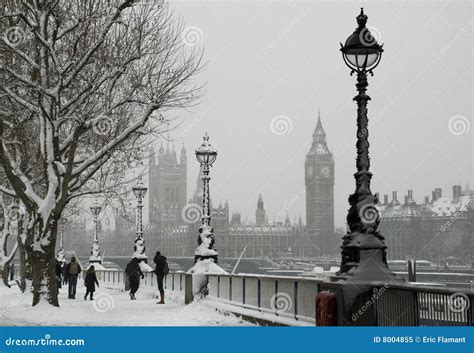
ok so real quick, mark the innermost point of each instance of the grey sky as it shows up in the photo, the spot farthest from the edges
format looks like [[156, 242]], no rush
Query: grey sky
[[266, 59]]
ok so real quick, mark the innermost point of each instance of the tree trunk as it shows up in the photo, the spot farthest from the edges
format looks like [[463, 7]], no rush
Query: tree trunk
[[25, 272], [42, 265]]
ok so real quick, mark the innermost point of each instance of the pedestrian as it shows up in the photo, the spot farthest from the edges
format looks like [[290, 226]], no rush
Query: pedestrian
[[134, 273], [64, 270], [58, 270], [161, 270], [90, 281], [72, 270]]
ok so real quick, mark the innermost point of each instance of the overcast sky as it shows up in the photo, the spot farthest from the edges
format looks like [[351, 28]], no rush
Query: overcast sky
[[268, 59]]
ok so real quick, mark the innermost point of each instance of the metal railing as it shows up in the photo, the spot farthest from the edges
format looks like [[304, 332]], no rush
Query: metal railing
[[292, 299], [174, 281], [278, 296], [421, 306]]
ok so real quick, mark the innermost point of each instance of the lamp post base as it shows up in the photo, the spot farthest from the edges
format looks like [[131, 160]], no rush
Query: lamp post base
[[202, 257], [371, 268], [95, 260]]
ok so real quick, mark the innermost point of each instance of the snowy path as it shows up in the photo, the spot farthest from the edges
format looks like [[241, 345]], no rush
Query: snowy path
[[111, 307]]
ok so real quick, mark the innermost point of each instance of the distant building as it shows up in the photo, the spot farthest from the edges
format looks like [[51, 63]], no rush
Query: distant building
[[167, 187], [440, 227], [319, 181], [260, 212]]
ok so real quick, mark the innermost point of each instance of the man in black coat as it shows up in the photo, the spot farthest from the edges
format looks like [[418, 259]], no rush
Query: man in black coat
[[72, 270], [134, 273], [161, 270]]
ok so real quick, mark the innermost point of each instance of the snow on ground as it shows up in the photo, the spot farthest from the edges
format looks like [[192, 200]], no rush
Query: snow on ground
[[112, 307]]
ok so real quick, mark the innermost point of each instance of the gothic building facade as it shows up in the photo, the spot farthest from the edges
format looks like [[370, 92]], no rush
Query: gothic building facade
[[167, 187], [319, 182]]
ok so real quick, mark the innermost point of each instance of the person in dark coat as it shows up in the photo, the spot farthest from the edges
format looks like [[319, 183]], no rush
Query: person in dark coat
[[161, 270], [58, 270], [72, 270], [90, 281], [64, 273], [134, 273]]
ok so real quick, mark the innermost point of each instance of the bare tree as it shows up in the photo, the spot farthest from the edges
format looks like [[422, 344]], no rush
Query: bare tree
[[81, 93], [9, 229]]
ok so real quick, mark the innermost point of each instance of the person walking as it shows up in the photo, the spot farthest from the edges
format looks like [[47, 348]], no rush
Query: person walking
[[90, 281], [72, 270], [64, 273], [58, 270], [134, 273], [161, 270]]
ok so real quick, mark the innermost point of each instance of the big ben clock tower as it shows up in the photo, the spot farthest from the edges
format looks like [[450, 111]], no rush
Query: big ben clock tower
[[319, 181]]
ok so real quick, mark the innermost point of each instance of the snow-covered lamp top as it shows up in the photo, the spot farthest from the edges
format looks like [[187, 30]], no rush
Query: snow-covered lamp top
[[139, 190], [206, 154]]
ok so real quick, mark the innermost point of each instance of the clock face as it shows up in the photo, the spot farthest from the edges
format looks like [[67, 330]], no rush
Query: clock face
[[309, 171], [321, 149], [325, 172]]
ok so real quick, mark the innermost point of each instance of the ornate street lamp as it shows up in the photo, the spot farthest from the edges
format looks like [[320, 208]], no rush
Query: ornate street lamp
[[61, 253], [364, 253], [139, 190], [95, 251], [206, 156]]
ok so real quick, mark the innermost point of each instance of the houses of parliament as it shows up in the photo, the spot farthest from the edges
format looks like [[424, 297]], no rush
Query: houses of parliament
[[174, 232], [439, 227]]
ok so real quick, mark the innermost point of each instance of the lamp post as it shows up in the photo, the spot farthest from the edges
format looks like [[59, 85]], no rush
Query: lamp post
[[206, 156], [139, 190], [364, 253], [61, 253], [95, 251]]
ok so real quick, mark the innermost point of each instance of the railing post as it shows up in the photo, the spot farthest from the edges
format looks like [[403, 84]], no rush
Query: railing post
[[470, 311], [416, 309], [243, 290], [259, 294], [230, 288], [218, 286], [276, 298], [296, 300], [188, 288]]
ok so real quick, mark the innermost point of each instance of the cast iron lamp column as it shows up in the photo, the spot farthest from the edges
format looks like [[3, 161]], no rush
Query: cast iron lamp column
[[206, 156], [61, 253], [364, 252], [139, 191], [95, 251]]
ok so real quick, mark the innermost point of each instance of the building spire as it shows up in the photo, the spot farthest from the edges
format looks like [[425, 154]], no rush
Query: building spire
[[319, 135]]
